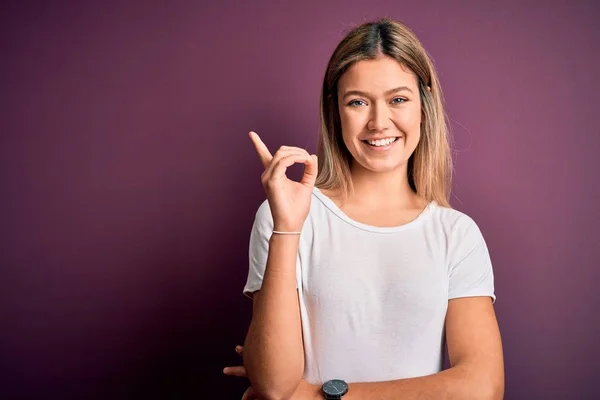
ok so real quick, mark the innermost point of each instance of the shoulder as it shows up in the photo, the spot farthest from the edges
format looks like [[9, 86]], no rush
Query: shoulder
[[460, 229], [454, 220]]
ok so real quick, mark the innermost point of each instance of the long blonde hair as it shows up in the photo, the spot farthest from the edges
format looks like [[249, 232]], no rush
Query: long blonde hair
[[430, 166]]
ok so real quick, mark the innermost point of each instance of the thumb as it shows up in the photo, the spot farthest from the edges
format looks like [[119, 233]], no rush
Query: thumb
[[310, 172]]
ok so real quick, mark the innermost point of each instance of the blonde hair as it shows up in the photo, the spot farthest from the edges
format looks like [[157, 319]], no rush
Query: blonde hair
[[430, 166]]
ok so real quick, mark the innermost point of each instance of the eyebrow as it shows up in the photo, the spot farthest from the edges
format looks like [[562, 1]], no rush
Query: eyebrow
[[359, 93]]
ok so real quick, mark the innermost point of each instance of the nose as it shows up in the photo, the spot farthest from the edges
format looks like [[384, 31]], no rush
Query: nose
[[380, 117]]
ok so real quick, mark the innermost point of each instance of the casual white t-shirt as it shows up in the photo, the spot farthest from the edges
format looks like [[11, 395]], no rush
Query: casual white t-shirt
[[373, 300]]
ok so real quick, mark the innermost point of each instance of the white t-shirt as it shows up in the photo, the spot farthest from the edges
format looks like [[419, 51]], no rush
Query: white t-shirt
[[373, 300]]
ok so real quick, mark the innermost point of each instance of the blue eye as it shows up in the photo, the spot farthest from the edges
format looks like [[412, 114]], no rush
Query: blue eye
[[398, 102], [354, 103]]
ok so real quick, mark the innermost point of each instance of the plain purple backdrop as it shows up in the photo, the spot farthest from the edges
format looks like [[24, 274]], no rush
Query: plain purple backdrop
[[129, 184]]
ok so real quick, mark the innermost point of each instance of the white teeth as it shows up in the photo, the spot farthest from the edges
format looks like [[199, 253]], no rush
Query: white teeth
[[384, 142]]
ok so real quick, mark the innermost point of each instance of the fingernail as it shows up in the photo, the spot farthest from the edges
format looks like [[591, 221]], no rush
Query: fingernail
[[225, 370]]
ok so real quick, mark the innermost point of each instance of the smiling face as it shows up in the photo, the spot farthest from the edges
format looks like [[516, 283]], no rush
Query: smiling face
[[380, 114]]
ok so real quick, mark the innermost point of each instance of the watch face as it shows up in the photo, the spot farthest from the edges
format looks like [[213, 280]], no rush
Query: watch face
[[335, 387]]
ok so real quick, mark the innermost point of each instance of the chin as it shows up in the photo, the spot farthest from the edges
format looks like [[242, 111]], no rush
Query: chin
[[382, 167]]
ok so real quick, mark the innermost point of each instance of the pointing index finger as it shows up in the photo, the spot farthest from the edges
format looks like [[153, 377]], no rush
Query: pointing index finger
[[261, 149]]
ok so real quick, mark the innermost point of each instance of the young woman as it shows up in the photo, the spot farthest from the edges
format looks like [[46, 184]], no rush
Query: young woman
[[361, 271]]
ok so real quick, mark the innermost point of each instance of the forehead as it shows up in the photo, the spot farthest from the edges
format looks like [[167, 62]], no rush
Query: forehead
[[376, 75]]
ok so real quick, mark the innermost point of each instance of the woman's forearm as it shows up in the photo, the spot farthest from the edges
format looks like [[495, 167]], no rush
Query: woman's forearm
[[273, 350]]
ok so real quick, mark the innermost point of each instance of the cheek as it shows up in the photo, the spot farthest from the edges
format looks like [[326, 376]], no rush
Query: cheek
[[352, 120], [408, 121], [352, 124]]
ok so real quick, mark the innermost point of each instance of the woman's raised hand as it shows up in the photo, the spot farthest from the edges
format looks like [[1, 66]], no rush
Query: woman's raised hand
[[289, 200]]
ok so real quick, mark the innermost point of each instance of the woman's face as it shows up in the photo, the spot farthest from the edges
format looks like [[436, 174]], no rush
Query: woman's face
[[379, 101]]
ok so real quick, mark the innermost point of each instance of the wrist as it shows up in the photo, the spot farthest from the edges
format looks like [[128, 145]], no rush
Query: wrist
[[288, 232], [316, 392], [291, 242], [287, 227]]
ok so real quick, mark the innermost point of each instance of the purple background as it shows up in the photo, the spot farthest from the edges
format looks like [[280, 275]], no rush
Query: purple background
[[129, 184]]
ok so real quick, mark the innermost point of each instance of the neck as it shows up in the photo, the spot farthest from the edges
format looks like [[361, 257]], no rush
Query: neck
[[382, 189]]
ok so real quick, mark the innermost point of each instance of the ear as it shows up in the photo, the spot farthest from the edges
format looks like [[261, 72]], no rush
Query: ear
[[429, 88]]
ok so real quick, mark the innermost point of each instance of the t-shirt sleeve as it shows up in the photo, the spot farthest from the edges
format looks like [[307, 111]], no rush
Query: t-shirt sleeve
[[258, 251], [471, 273]]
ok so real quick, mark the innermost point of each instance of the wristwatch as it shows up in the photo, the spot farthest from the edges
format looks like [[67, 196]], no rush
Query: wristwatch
[[334, 389]]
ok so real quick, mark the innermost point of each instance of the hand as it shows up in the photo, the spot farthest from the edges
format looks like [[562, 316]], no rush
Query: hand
[[304, 391], [238, 370], [289, 201]]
